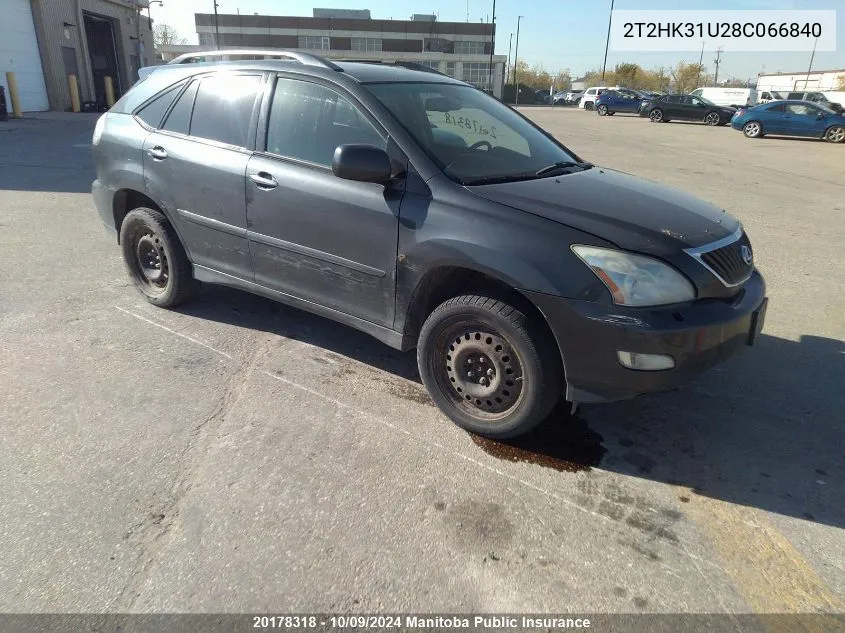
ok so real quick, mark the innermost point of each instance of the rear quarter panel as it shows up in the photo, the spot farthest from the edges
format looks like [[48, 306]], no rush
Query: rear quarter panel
[[118, 155]]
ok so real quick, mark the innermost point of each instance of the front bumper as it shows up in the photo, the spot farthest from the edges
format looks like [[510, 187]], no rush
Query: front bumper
[[696, 336]]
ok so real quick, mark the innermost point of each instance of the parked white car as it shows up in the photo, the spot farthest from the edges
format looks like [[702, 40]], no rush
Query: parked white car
[[588, 99], [764, 96], [733, 97]]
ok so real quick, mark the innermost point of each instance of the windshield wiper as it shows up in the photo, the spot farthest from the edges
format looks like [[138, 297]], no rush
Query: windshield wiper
[[561, 164]]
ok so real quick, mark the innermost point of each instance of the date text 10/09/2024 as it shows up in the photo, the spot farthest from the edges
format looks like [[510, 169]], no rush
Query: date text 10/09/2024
[[415, 621], [721, 29]]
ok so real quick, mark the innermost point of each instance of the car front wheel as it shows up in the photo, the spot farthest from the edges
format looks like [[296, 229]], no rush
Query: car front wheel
[[836, 134], [752, 129], [155, 259], [713, 118], [489, 366]]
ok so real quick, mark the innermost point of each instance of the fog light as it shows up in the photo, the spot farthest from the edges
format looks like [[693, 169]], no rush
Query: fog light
[[645, 362]]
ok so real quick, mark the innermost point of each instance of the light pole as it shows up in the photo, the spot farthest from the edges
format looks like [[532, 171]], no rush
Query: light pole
[[508, 69], [492, 46], [149, 14], [700, 62], [216, 28], [607, 41], [516, 61], [807, 81]]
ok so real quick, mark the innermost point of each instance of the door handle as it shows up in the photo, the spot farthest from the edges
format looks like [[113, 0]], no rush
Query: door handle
[[157, 153], [264, 180]]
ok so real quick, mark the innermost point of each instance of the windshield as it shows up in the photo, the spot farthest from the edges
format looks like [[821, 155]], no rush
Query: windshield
[[472, 137]]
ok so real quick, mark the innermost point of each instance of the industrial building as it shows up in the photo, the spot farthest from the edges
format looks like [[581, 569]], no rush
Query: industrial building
[[44, 41], [458, 49], [817, 80]]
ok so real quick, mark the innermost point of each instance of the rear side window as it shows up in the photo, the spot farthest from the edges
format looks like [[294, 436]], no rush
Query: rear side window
[[179, 119], [778, 107], [223, 108], [153, 112]]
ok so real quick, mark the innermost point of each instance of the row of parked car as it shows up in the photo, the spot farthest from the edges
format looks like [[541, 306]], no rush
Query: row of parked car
[[790, 117]]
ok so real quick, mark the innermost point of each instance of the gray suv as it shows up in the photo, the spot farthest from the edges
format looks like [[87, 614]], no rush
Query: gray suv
[[428, 214]]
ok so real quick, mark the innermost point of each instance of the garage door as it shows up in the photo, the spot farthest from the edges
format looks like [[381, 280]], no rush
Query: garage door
[[19, 53]]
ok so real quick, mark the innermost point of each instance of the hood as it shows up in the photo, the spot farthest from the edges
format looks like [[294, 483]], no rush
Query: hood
[[633, 213]]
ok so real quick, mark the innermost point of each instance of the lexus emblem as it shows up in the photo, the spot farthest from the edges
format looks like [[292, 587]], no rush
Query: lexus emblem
[[747, 255]]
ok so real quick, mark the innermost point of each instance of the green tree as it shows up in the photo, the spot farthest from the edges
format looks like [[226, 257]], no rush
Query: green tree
[[686, 77], [627, 75]]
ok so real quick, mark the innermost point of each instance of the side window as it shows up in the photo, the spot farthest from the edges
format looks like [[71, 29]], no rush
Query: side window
[[179, 119], [778, 107], [223, 108], [153, 112], [308, 122], [800, 109]]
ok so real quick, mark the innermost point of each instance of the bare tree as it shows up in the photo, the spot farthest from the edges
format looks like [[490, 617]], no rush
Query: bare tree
[[166, 35]]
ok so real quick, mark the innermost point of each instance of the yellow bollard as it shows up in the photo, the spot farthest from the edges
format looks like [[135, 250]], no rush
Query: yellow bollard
[[14, 97], [74, 92], [109, 92]]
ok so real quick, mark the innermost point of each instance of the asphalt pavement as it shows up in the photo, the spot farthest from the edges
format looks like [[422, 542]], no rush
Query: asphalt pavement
[[239, 455]]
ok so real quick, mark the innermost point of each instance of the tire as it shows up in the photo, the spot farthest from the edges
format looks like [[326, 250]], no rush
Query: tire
[[835, 134], [602, 110], [588, 105], [713, 118], [656, 115], [523, 369], [155, 258], [752, 129]]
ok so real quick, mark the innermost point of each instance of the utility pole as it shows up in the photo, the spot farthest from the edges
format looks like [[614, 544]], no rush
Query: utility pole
[[700, 65], [508, 69], [607, 41], [807, 81], [216, 28], [492, 46], [516, 61], [717, 61]]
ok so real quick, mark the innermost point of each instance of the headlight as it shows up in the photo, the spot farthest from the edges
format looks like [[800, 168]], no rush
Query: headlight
[[636, 280]]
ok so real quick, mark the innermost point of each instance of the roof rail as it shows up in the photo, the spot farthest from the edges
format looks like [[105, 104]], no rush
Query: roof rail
[[306, 59], [409, 65]]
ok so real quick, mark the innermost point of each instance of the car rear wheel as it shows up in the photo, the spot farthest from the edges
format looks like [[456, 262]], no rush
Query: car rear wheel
[[713, 118], [752, 129], [155, 259], [489, 366], [835, 134], [656, 115], [588, 105], [602, 110]]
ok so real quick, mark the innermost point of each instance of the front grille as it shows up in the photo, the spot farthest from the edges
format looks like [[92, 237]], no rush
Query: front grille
[[727, 262]]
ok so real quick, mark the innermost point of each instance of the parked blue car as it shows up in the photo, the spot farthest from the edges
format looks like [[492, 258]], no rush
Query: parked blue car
[[619, 100], [790, 118]]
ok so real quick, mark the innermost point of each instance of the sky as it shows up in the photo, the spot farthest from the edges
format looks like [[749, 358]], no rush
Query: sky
[[558, 34]]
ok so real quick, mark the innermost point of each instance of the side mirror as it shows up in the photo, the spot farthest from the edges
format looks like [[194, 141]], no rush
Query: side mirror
[[820, 115], [364, 163]]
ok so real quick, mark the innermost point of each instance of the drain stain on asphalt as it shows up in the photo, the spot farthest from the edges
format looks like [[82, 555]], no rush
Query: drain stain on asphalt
[[561, 442]]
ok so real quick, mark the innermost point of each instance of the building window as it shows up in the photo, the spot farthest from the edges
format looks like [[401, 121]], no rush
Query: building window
[[315, 42], [206, 39], [477, 74], [366, 44], [469, 48], [450, 69]]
